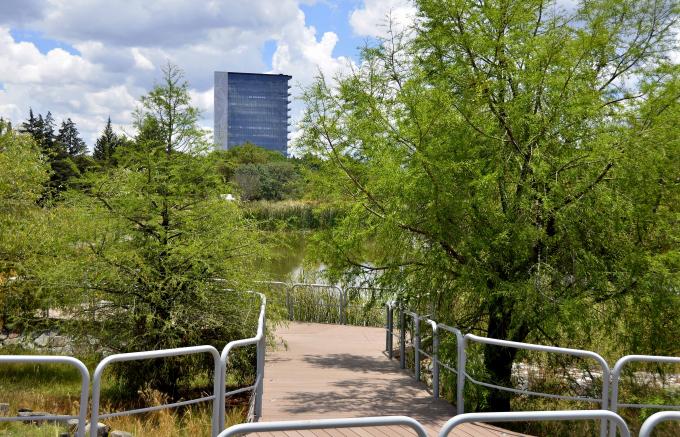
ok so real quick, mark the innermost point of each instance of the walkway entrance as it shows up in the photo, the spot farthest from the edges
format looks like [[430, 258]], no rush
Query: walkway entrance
[[332, 371]]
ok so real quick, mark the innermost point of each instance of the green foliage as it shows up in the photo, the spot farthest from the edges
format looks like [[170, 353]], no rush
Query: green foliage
[[23, 173], [153, 235], [516, 168], [260, 174]]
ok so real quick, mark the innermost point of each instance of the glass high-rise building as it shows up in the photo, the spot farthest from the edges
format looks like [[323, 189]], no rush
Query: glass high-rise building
[[253, 108]]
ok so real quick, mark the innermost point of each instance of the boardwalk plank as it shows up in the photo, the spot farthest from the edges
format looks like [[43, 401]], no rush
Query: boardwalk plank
[[330, 371]]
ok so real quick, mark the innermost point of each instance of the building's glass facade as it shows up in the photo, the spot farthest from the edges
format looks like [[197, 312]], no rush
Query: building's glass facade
[[252, 108]]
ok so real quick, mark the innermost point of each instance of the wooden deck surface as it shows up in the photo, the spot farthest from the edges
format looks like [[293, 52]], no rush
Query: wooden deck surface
[[329, 371]]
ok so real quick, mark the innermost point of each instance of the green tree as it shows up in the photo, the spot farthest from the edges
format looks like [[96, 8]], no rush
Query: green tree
[[488, 154], [259, 173], [69, 139], [55, 150], [106, 145], [158, 233], [23, 173]]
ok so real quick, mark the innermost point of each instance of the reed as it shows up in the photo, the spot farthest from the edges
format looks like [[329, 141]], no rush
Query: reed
[[295, 214]]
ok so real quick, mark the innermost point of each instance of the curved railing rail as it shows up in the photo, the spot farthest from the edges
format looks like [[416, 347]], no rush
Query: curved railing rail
[[301, 425], [381, 421], [655, 419], [534, 416], [260, 341], [328, 303], [147, 355], [50, 359], [609, 393], [616, 378], [221, 362]]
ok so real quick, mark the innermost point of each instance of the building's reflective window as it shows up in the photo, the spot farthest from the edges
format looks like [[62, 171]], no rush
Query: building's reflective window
[[256, 110]]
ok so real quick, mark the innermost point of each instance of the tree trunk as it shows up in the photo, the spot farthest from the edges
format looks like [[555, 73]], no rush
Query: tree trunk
[[498, 360]]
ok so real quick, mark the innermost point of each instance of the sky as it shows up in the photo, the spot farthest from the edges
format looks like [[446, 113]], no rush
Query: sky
[[93, 59]]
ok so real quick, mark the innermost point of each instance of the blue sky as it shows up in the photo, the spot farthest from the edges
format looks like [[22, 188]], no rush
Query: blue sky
[[43, 43], [87, 60]]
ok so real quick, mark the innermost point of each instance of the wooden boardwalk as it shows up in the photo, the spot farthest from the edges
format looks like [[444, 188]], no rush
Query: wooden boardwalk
[[331, 371]]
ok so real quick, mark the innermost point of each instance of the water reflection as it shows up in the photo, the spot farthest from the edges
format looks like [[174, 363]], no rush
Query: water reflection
[[288, 260]]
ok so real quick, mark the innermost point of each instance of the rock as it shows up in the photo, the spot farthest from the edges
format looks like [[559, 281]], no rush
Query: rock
[[59, 341], [4, 409], [117, 433], [42, 341], [12, 335], [102, 429], [13, 341], [3, 336]]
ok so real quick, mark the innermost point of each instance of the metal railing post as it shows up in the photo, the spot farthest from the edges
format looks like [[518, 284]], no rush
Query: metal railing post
[[616, 378], [435, 361], [389, 329], [259, 390], [289, 302], [224, 360], [416, 344], [343, 306], [402, 338], [461, 342]]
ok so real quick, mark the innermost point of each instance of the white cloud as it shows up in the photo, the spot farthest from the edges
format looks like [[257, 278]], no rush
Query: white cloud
[[141, 61], [121, 48], [372, 20]]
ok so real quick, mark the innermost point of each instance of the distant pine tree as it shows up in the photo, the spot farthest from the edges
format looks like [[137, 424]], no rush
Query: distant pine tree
[[30, 126], [54, 149], [69, 139], [48, 140], [106, 145]]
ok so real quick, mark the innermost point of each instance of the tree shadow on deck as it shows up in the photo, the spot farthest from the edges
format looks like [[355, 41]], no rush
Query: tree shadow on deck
[[355, 363], [370, 397]]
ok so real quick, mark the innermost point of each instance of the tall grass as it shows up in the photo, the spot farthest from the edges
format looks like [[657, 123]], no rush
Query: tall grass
[[324, 305], [294, 214]]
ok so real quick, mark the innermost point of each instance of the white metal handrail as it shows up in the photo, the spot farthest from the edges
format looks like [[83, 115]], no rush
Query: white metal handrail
[[616, 378], [51, 359], [534, 416], [603, 400], [259, 339], [299, 425], [461, 358], [163, 353], [462, 342], [219, 380], [655, 419]]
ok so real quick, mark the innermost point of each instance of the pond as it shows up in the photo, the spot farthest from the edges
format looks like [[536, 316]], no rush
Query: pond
[[288, 261]]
